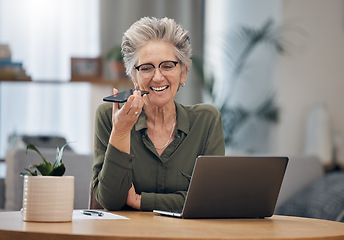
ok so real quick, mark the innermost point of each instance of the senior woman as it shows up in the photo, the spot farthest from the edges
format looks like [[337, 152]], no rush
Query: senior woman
[[145, 150]]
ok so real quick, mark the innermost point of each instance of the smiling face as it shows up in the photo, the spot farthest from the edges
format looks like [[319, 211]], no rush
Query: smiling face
[[162, 87]]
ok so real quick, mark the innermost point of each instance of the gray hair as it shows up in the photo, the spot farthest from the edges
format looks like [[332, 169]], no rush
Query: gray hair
[[151, 28]]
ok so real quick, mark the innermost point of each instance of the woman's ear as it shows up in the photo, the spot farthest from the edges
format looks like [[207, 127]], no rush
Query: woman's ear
[[183, 76]]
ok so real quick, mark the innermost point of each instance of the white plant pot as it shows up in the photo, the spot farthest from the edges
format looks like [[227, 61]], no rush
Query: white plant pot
[[48, 198]]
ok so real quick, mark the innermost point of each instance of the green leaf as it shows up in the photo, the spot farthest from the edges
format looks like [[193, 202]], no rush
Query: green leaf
[[29, 172], [59, 154], [56, 163], [232, 119], [32, 147], [268, 110], [58, 171], [44, 169]]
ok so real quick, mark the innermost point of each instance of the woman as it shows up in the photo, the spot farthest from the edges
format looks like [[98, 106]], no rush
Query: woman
[[145, 150]]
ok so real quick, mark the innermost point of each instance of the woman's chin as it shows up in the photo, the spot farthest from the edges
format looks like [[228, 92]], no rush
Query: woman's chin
[[161, 98], [160, 101]]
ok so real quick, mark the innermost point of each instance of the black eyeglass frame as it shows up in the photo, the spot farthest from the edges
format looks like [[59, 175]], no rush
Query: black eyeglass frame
[[174, 62]]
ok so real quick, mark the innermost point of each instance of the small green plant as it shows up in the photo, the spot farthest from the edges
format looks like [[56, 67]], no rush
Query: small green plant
[[46, 168], [114, 54]]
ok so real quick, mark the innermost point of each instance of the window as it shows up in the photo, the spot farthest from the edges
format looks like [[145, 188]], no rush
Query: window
[[44, 35]]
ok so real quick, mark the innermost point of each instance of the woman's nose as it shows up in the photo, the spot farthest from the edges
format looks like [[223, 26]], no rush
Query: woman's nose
[[157, 74]]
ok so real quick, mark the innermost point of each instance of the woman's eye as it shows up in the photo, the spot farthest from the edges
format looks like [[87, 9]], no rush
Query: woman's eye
[[167, 67], [146, 68]]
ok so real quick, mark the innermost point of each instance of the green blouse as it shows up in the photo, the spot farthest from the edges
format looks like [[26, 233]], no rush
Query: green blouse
[[162, 180]]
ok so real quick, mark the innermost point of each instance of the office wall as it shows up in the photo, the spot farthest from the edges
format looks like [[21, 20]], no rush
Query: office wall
[[312, 72]]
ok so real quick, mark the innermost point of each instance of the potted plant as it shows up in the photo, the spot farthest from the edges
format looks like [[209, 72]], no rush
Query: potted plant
[[48, 196], [114, 59], [238, 48]]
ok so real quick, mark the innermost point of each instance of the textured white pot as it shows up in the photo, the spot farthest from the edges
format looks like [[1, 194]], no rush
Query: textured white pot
[[48, 198]]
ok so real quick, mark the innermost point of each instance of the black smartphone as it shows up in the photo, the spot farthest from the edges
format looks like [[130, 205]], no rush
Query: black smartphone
[[122, 96]]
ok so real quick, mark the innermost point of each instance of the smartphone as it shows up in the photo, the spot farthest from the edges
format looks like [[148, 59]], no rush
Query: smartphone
[[122, 96]]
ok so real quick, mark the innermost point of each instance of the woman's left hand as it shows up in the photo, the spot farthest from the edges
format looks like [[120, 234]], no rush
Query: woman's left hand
[[133, 199]]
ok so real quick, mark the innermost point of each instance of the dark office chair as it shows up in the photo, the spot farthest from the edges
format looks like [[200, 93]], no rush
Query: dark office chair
[[92, 202]]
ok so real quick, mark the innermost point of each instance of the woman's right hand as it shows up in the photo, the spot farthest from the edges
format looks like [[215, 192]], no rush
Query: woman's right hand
[[123, 120]]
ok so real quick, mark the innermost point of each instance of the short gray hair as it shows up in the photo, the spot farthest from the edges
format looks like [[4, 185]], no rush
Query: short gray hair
[[151, 28]]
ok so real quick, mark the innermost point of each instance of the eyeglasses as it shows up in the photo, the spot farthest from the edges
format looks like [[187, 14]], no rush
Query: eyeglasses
[[147, 70]]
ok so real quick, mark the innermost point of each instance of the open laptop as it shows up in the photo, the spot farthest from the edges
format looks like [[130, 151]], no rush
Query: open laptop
[[233, 187]]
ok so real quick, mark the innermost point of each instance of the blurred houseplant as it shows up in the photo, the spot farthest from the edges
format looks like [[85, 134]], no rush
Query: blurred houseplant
[[48, 197], [45, 168], [238, 48], [114, 59]]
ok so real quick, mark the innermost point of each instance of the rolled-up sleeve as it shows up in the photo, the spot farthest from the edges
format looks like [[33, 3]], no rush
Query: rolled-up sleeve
[[112, 169]]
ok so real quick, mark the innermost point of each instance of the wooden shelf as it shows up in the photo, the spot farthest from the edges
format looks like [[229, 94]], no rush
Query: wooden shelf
[[123, 82], [16, 80]]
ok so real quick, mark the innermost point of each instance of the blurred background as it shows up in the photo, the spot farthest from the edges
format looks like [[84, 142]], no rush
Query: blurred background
[[304, 74], [272, 67]]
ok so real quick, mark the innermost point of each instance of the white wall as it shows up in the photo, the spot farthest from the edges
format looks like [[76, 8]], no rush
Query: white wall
[[313, 71]]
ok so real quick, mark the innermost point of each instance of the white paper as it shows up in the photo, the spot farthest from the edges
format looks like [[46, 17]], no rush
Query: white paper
[[77, 214]]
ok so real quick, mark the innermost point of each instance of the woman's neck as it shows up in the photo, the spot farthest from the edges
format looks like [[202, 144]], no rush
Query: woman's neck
[[160, 116], [161, 123]]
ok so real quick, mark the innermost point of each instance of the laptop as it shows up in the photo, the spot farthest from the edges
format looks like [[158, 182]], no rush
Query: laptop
[[232, 187]]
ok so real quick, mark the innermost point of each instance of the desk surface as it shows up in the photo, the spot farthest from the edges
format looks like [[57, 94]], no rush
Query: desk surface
[[147, 225]]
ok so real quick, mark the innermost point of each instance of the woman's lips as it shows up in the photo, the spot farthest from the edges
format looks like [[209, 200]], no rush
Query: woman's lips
[[159, 89]]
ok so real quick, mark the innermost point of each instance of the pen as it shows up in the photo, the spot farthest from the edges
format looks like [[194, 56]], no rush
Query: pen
[[90, 212]]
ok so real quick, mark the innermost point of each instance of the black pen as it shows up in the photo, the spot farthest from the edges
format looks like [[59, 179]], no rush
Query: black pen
[[90, 212]]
